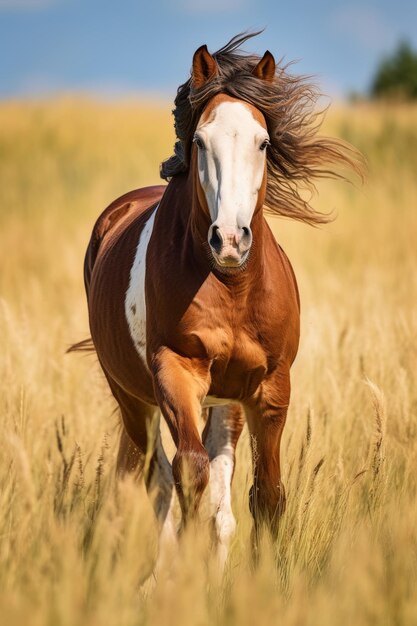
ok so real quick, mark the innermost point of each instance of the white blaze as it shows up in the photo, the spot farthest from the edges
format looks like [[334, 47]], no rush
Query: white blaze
[[231, 164]]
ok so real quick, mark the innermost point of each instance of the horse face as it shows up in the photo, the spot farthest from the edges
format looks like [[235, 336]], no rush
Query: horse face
[[231, 140]]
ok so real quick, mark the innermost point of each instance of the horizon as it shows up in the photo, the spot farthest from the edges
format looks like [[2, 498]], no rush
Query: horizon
[[55, 47]]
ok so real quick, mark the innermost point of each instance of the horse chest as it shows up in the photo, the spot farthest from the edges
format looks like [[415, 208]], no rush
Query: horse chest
[[240, 374], [238, 363]]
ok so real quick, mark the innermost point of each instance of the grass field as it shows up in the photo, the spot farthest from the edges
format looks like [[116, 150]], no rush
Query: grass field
[[75, 548]]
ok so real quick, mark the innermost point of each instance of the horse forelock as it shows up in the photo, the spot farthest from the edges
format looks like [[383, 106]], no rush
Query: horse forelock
[[297, 155]]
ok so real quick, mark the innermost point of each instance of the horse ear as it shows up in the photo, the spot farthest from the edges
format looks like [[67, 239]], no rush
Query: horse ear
[[265, 69], [204, 66]]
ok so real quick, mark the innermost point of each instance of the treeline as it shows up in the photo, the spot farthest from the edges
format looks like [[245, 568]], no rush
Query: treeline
[[396, 75]]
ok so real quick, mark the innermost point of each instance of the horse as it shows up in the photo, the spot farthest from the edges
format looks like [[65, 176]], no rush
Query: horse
[[193, 306]]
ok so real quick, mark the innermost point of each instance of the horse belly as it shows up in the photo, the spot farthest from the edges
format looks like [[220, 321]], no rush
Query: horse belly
[[210, 401], [135, 303]]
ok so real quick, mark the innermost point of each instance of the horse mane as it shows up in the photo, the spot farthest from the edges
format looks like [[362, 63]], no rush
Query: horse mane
[[297, 154]]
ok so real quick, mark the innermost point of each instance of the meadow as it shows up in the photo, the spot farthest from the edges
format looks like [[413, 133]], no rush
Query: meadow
[[76, 547]]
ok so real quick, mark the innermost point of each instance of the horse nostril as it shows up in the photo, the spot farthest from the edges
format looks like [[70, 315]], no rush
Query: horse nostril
[[246, 237], [216, 240]]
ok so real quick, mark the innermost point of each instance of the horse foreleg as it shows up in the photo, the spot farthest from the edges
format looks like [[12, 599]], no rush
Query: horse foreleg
[[220, 437], [180, 385], [160, 484], [266, 420]]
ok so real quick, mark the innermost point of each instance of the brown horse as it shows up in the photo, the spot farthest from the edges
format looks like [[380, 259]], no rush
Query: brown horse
[[193, 304]]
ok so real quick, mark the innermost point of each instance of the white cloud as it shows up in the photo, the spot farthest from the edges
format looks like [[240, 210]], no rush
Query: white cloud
[[366, 25], [20, 5]]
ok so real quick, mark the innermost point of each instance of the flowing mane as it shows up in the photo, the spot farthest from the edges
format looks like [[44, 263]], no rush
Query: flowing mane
[[297, 154]]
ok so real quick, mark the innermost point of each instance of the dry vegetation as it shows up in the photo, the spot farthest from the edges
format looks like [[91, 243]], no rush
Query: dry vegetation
[[75, 548]]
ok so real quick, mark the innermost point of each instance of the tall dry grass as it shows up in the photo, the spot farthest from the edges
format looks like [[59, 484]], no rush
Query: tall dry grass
[[78, 549]]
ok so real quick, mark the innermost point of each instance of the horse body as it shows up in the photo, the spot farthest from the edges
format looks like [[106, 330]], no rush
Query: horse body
[[212, 339], [241, 328], [193, 304]]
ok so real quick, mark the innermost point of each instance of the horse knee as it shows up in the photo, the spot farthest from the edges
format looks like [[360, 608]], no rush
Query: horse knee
[[191, 470], [267, 504], [193, 467]]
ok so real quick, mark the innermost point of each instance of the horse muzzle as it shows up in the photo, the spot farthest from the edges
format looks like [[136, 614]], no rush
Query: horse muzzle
[[229, 246]]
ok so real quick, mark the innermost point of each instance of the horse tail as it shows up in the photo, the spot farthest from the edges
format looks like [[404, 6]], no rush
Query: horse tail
[[86, 345]]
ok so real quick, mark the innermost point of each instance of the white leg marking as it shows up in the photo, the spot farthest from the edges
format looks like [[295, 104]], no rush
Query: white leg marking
[[135, 304], [219, 446], [163, 483]]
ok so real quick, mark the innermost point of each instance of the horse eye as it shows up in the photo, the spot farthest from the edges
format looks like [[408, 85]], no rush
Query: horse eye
[[199, 142], [264, 144]]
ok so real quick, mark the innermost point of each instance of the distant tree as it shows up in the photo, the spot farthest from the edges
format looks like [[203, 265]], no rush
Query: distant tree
[[396, 75]]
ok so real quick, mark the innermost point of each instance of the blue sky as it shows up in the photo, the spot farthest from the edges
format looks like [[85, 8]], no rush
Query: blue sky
[[143, 46]]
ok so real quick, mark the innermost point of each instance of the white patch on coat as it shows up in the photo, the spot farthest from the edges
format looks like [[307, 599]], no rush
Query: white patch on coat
[[162, 493], [135, 304], [231, 165]]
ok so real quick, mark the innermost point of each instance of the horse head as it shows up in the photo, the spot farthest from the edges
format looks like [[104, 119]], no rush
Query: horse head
[[229, 153]]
